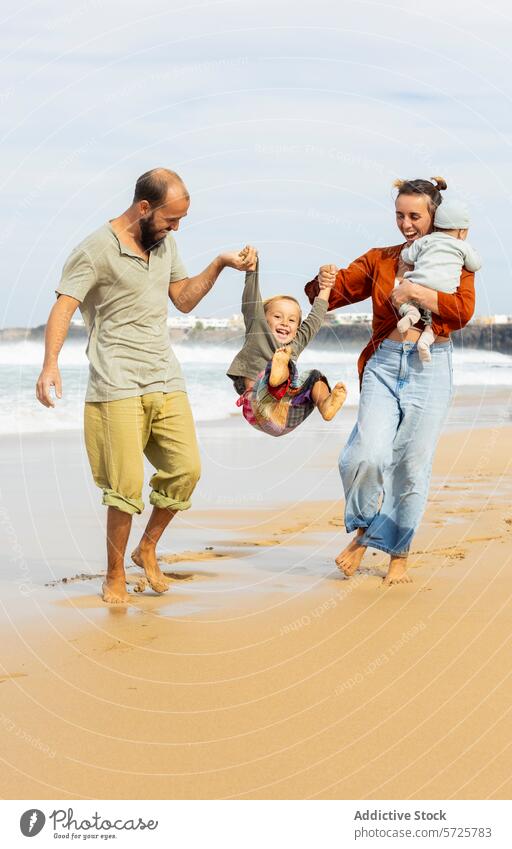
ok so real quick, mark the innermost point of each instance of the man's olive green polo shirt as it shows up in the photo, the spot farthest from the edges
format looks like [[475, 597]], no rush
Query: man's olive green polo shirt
[[123, 301]]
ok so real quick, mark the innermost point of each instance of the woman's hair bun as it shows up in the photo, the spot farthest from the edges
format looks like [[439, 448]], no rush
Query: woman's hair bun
[[441, 183], [399, 183]]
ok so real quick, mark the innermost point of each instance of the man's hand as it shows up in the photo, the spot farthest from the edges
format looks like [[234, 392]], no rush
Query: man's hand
[[56, 330], [327, 276], [244, 260], [50, 376]]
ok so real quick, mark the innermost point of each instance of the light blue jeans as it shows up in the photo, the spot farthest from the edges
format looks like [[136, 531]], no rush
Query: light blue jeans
[[386, 464]]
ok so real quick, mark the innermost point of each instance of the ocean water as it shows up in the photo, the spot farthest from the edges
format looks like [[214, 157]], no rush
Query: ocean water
[[211, 393]]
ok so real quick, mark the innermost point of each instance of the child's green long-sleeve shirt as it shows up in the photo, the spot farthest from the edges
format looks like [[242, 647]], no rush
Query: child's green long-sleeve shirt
[[260, 344]]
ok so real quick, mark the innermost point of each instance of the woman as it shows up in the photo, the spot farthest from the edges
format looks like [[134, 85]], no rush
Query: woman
[[387, 461]]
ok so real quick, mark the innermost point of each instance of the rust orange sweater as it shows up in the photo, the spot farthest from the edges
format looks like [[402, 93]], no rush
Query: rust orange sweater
[[373, 275]]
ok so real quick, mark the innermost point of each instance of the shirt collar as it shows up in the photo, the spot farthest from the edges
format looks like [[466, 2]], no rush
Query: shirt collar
[[124, 250]]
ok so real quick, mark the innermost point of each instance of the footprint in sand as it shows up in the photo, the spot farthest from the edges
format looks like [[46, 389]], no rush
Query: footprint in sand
[[453, 552], [483, 539], [296, 529], [338, 523], [179, 576], [456, 554], [185, 556], [254, 542], [80, 576]]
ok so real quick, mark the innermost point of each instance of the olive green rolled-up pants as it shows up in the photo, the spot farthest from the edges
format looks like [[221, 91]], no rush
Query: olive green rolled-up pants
[[158, 425]]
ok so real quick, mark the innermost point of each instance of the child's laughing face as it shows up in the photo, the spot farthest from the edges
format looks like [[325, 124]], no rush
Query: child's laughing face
[[283, 318]]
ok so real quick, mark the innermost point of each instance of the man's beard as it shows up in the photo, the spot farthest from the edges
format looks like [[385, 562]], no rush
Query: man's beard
[[148, 237]]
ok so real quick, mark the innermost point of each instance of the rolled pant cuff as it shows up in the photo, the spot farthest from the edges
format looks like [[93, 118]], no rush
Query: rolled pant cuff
[[126, 505], [369, 544], [157, 499], [353, 525]]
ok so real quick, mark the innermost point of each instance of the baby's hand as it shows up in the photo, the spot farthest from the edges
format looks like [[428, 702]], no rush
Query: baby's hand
[[327, 276]]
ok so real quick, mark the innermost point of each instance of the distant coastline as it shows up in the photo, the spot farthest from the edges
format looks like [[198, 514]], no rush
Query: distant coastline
[[480, 334]]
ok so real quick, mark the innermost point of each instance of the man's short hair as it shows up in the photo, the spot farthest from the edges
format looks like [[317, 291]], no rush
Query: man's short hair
[[154, 185]]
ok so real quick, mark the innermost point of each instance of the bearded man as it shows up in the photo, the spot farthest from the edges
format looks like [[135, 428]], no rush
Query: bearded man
[[121, 277]]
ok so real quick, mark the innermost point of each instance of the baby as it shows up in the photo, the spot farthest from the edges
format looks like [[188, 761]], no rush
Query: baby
[[273, 397], [438, 259]]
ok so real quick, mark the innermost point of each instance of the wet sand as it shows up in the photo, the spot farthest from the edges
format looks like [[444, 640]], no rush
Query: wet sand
[[263, 673]]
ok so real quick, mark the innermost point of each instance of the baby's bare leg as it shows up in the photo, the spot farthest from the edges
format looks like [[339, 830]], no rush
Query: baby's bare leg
[[279, 373], [328, 403]]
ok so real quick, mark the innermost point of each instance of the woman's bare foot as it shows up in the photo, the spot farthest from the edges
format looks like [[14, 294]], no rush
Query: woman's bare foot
[[113, 590], [350, 558], [146, 559], [279, 372], [397, 572], [333, 403]]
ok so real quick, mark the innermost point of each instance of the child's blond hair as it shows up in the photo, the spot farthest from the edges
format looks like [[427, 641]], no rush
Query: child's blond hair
[[267, 303]]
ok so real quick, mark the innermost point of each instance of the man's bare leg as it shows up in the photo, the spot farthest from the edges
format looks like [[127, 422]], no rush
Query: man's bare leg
[[145, 553], [350, 558], [397, 572], [279, 372], [328, 403], [118, 531]]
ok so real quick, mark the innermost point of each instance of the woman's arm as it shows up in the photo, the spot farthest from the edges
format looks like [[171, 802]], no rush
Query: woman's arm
[[456, 310], [421, 295], [453, 310], [352, 284]]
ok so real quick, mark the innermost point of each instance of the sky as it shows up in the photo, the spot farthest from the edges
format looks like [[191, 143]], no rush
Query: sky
[[288, 122]]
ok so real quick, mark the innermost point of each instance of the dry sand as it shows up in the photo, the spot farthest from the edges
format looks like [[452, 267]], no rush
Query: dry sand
[[263, 673]]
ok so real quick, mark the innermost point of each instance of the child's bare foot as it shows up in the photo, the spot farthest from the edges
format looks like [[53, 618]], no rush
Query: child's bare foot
[[146, 559], [333, 403], [279, 372], [113, 590], [397, 572], [350, 558]]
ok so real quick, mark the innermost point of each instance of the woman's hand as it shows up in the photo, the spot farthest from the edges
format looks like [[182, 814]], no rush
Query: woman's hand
[[327, 276], [403, 293], [420, 295]]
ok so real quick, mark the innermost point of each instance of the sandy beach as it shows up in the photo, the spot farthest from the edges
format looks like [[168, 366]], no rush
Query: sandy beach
[[263, 673]]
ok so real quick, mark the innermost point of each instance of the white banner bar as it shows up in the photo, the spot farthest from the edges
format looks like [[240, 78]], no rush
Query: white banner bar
[[258, 824]]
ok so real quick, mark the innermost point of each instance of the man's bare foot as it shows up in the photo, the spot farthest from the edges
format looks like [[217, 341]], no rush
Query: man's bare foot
[[333, 403], [146, 559], [350, 558], [279, 372], [113, 590], [397, 572]]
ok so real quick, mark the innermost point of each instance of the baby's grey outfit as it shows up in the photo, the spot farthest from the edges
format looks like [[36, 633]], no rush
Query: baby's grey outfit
[[260, 344], [438, 259]]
